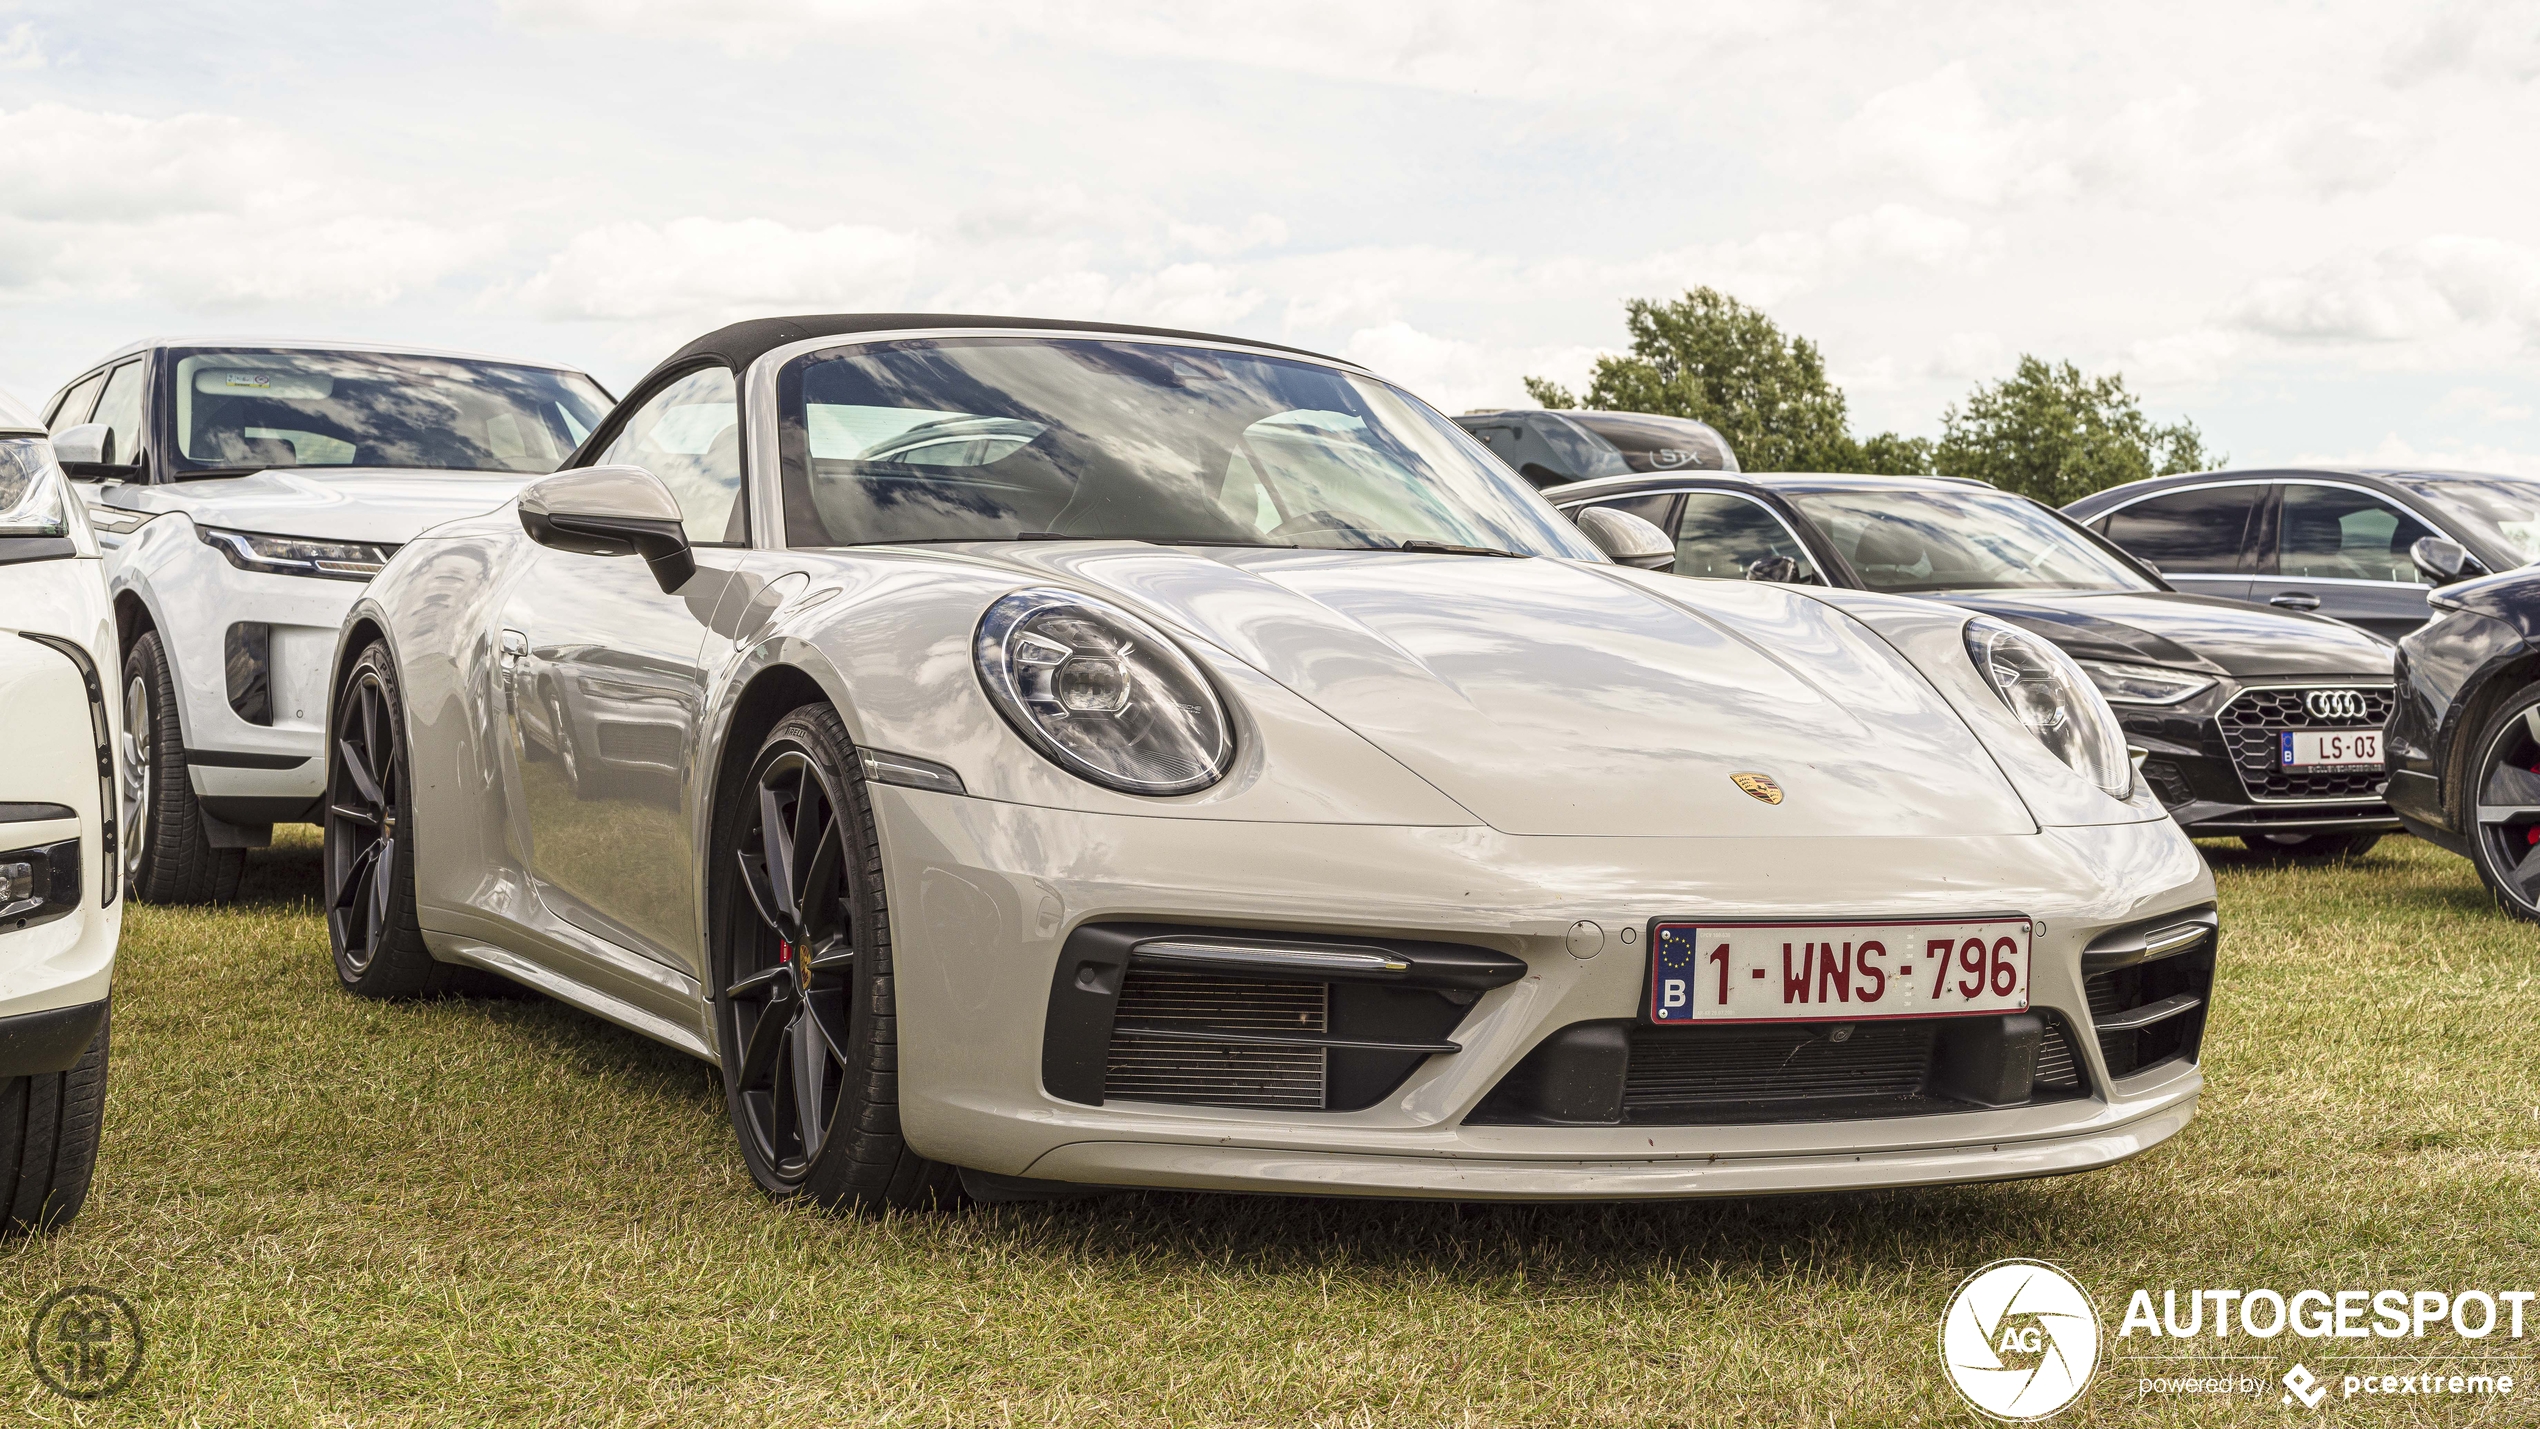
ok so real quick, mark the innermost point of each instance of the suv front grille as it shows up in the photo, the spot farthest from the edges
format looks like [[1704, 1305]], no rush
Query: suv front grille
[[2251, 722]]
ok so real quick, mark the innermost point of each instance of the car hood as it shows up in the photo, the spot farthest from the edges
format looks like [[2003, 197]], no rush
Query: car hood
[[329, 503], [2193, 632], [1556, 697]]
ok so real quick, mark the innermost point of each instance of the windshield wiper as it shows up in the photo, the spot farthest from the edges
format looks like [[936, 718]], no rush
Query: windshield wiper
[[1449, 548], [221, 471]]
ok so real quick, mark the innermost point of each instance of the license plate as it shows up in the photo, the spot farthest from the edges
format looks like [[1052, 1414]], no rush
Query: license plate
[[2330, 749], [1836, 972]]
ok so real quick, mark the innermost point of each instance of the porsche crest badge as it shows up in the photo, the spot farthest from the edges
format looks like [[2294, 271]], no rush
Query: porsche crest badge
[[1759, 785]]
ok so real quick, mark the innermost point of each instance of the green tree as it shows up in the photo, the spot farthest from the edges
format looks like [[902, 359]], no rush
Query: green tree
[[1712, 358], [2051, 433]]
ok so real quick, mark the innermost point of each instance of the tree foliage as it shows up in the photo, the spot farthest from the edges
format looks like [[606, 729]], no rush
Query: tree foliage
[[2049, 432], [1712, 358], [2046, 431]]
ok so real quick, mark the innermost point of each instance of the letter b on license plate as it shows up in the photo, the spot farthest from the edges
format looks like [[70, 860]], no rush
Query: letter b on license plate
[[1836, 972]]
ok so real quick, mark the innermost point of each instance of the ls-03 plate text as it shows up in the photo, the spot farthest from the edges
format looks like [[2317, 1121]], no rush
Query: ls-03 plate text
[[1843, 970]]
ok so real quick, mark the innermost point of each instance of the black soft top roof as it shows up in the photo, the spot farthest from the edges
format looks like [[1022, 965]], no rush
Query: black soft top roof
[[742, 343]]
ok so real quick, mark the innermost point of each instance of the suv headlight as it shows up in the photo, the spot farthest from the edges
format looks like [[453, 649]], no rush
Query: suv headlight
[[1102, 693], [2047, 691], [32, 502], [294, 556], [2143, 684]]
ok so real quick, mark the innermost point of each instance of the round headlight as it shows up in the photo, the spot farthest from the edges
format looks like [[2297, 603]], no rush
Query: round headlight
[[2049, 693], [1102, 693]]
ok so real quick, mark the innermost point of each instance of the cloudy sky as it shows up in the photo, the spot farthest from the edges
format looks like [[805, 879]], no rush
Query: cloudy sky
[[2310, 227]]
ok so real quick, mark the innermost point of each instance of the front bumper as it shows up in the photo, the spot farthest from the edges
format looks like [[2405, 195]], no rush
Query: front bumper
[[238, 638], [2217, 787], [986, 894]]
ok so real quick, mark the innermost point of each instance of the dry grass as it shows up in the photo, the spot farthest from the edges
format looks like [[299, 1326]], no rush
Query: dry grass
[[334, 1212]]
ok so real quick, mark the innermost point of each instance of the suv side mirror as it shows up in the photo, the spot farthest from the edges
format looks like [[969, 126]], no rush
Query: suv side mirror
[[87, 451], [611, 511], [1627, 540], [2442, 562]]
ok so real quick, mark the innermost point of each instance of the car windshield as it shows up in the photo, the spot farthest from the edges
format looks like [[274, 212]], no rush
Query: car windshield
[[2506, 508], [249, 409], [964, 439], [1916, 542]]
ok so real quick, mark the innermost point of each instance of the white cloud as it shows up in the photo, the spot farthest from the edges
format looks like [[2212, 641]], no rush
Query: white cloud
[[2394, 450], [19, 48], [61, 163], [2434, 299], [1455, 375], [2486, 404], [1941, 131], [2467, 36], [713, 267]]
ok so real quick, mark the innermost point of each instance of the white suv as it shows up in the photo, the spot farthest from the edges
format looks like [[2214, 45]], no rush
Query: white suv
[[59, 914], [243, 491]]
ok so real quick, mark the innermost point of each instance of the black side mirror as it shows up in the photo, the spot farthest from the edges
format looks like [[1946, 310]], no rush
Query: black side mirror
[[1778, 570], [611, 511], [2442, 562]]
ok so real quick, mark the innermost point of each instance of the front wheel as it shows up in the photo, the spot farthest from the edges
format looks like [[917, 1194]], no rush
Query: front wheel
[[2310, 848], [370, 874], [2503, 799], [168, 853], [802, 976], [49, 1123]]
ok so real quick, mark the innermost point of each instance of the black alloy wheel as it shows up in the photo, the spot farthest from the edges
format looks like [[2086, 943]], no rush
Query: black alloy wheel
[[2503, 799], [803, 1011], [370, 882]]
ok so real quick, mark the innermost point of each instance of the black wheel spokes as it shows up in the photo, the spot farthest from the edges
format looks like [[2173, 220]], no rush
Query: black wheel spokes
[[791, 1014], [2508, 813], [361, 810]]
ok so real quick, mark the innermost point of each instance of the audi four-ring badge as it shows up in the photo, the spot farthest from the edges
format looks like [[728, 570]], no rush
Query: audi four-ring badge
[[1030, 755]]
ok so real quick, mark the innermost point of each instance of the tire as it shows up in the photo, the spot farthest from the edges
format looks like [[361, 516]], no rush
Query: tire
[[371, 927], [170, 858], [2504, 779], [803, 999], [2310, 848], [49, 1124]]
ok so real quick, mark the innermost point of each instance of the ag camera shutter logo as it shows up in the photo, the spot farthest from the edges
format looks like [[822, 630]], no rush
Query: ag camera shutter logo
[[2020, 1340]]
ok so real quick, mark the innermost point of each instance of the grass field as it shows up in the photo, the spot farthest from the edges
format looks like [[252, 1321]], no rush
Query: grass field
[[336, 1212]]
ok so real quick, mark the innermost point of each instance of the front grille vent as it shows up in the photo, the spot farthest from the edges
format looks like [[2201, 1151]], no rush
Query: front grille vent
[[2251, 722], [1726, 1076], [2148, 1013], [2168, 781], [1147, 1067]]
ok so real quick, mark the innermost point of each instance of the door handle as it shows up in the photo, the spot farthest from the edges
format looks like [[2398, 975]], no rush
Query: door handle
[[2295, 600]]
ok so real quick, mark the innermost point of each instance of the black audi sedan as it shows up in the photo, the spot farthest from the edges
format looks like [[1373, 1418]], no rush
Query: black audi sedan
[[1549, 448], [2260, 724], [2464, 736], [2342, 541]]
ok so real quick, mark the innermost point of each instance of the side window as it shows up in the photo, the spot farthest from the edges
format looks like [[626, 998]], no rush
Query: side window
[[120, 408], [2197, 532], [1728, 537], [77, 403], [689, 435], [2337, 533]]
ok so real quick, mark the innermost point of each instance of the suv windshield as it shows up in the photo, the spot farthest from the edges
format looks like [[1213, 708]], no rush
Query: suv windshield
[[987, 439], [246, 409], [1915, 542], [2505, 508]]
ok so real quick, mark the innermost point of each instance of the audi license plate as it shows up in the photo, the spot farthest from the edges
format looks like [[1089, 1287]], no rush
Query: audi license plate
[[2330, 749], [1837, 971]]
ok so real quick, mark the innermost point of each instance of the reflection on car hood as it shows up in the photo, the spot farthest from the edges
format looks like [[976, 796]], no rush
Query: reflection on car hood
[[1551, 697], [329, 503], [2196, 632]]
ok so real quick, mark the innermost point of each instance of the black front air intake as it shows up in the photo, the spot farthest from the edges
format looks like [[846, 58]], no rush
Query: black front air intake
[[1212, 1017], [2149, 987]]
